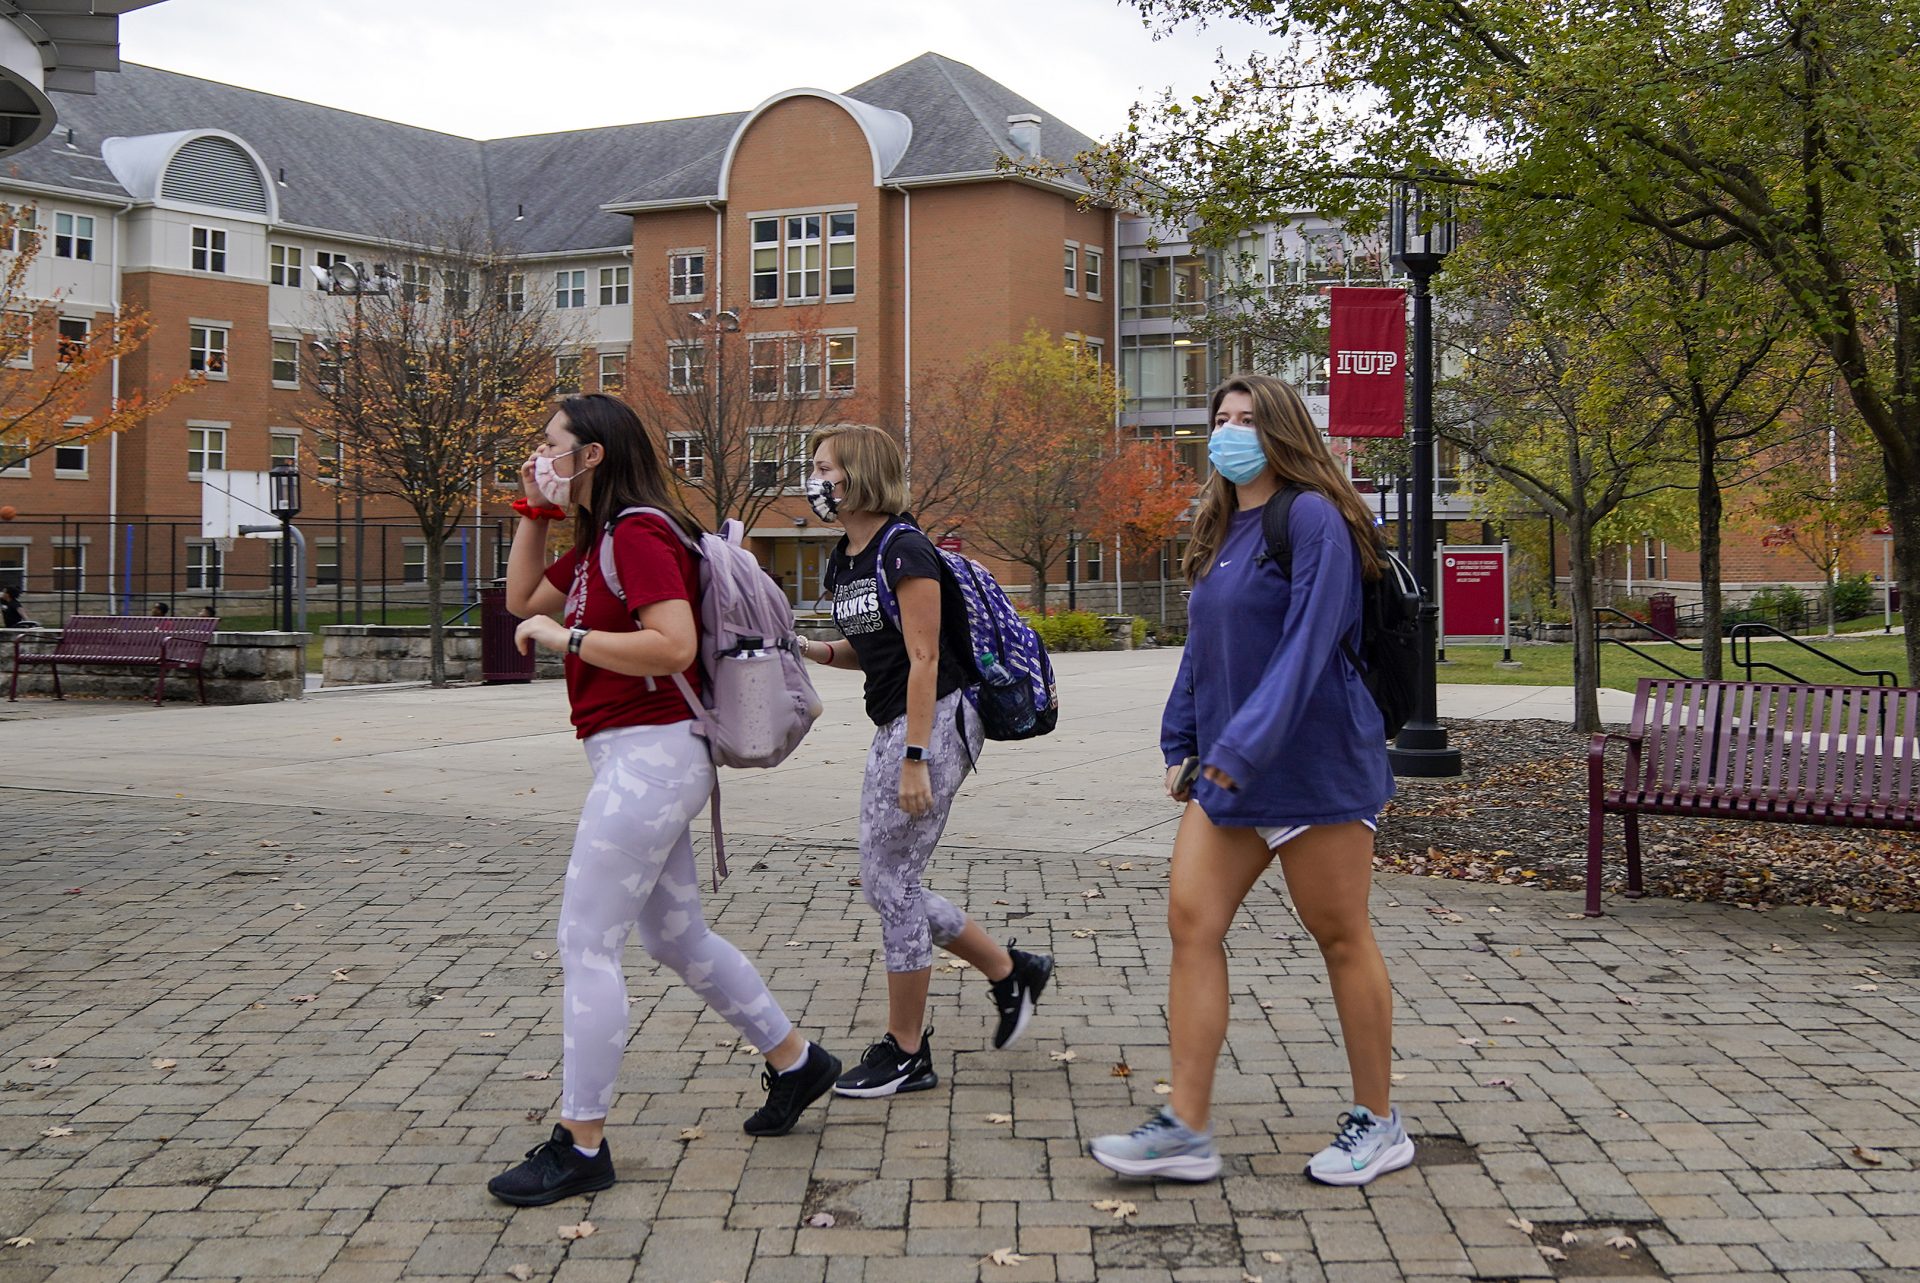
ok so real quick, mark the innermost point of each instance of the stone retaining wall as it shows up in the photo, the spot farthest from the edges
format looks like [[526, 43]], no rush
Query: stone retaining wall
[[241, 668], [376, 654]]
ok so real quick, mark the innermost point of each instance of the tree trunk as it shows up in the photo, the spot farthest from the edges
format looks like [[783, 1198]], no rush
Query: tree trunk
[[1037, 587], [1712, 512], [1586, 642], [436, 625], [1903, 513]]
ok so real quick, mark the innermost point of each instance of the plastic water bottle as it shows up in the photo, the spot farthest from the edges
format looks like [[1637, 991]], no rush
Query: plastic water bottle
[[746, 691], [992, 671]]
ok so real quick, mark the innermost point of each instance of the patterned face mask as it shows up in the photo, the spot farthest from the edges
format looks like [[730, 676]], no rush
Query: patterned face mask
[[820, 498]]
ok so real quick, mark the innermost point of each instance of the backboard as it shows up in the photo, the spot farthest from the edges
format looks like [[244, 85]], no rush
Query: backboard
[[229, 500]]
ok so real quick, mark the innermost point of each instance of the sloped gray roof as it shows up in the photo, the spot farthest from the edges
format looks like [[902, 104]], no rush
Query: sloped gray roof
[[540, 193]]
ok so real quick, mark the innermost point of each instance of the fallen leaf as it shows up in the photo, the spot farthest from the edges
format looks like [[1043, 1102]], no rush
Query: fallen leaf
[[1105, 864], [45, 1062], [1622, 1243], [956, 964], [541, 955], [1621, 1113], [350, 861], [1121, 1069], [340, 973], [1867, 988], [1569, 1238], [536, 1075], [1124, 867], [1247, 1277], [303, 997], [999, 1118], [1867, 1156], [1066, 1056], [1005, 1256], [793, 944], [521, 1272], [1627, 999], [1499, 1082], [1266, 1006], [1399, 1078], [1469, 1042], [1081, 935], [1509, 1020], [581, 1230], [1553, 1254], [1521, 1223], [161, 1062], [821, 1220], [1162, 1089], [20, 1241], [1120, 1208], [1272, 1258], [1091, 893], [490, 1035], [691, 1133], [298, 906], [1778, 948], [56, 1132]]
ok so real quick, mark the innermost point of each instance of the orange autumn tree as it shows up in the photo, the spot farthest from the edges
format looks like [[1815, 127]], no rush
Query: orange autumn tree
[[1141, 496], [54, 384]]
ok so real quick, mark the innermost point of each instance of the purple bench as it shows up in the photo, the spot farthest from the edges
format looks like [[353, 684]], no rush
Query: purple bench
[[123, 641]]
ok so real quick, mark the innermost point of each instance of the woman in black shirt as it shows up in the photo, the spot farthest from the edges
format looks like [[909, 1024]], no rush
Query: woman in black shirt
[[917, 669]]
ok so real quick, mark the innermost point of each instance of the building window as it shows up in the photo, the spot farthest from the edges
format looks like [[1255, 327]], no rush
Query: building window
[[69, 567], [616, 286], [413, 565], [73, 236], [13, 459], [206, 449], [16, 339], [1072, 268], [13, 567], [566, 375], [803, 258], [207, 351], [688, 456], [686, 276], [205, 567], [840, 246], [613, 371], [765, 236], [1656, 555], [570, 288], [803, 367], [1092, 264], [70, 461], [456, 289], [327, 459], [686, 367], [73, 339], [283, 450], [1095, 350], [326, 562], [283, 265], [780, 460], [514, 297], [286, 362], [324, 260], [328, 358], [763, 367], [840, 357], [20, 225], [1090, 561], [416, 283], [209, 249]]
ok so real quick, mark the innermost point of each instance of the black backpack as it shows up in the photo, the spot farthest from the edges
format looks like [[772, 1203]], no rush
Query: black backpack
[[1389, 656]]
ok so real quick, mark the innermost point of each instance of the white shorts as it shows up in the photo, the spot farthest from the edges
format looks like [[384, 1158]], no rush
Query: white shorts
[[1277, 836]]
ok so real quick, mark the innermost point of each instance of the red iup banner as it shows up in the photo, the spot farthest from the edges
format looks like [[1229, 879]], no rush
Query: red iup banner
[[1367, 355]]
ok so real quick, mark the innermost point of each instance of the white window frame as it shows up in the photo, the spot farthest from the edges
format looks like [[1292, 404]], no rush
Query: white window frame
[[850, 241], [760, 345], [78, 569], [804, 367], [616, 286], [207, 249], [326, 557], [456, 288], [616, 363], [215, 357], [24, 322], [687, 455], [69, 243], [207, 449], [26, 223], [570, 287], [276, 435], [20, 465], [285, 264], [686, 367], [682, 276], [514, 296], [1093, 266], [323, 261], [561, 361], [416, 283], [1070, 263], [212, 564], [764, 262], [274, 362], [793, 460], [24, 548], [802, 243], [842, 363], [72, 474], [60, 340], [1095, 348], [1093, 558]]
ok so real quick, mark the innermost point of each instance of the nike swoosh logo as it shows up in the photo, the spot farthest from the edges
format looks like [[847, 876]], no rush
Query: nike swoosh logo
[[1226, 561]]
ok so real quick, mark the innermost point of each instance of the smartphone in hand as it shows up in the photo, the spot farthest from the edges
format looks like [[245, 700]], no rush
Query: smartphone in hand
[[1183, 782]]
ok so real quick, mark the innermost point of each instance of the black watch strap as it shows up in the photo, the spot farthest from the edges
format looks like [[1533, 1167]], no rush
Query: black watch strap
[[915, 753]]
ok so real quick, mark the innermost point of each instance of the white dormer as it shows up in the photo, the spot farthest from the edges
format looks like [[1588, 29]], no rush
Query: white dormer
[[196, 171]]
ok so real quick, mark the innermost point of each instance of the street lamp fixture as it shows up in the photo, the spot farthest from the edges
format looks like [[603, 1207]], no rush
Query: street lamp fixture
[[283, 501], [1423, 233]]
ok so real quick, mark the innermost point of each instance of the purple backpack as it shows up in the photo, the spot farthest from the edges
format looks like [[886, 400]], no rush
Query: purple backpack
[[757, 702], [1014, 688]]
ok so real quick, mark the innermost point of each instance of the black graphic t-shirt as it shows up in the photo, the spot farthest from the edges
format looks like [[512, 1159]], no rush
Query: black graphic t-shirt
[[877, 639]]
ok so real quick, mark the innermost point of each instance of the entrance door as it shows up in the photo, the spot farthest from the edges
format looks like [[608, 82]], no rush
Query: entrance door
[[801, 567]]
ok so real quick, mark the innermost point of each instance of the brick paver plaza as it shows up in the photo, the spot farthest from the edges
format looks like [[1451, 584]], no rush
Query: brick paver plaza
[[275, 1007]]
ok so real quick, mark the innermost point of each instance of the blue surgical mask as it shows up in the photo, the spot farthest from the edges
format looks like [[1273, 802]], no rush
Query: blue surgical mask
[[1236, 453]]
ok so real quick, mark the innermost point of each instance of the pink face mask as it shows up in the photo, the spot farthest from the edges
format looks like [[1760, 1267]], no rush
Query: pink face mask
[[553, 487]]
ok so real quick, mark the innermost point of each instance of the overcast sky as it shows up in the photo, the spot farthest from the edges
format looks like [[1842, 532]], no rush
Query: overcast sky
[[487, 68]]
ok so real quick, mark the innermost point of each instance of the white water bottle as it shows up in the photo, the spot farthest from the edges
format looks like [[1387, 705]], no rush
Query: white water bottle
[[745, 689]]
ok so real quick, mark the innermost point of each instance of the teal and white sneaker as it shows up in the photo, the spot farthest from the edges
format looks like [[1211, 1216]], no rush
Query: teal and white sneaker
[[1366, 1146], [1161, 1146]]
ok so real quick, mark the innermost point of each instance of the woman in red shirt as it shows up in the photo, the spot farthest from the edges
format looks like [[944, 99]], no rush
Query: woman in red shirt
[[632, 866]]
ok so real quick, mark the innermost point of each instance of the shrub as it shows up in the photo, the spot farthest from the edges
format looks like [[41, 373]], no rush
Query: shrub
[[1784, 606], [1635, 606], [1853, 597], [1139, 632], [1070, 630]]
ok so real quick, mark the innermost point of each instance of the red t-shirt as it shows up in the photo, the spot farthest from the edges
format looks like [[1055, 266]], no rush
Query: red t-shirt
[[654, 566]]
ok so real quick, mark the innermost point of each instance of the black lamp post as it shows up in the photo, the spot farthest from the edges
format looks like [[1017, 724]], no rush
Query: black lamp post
[[284, 503], [1423, 234]]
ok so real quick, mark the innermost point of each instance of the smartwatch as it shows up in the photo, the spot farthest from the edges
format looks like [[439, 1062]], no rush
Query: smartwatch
[[915, 753], [574, 638]]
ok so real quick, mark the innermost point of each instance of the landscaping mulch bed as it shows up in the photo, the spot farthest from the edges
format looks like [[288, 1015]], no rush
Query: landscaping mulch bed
[[1519, 816]]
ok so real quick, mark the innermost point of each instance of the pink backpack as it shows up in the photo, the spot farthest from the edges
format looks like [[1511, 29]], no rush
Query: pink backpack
[[758, 701]]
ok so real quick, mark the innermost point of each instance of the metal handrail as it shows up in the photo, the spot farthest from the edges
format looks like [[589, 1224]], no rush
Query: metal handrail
[[1630, 647], [1747, 632], [471, 607]]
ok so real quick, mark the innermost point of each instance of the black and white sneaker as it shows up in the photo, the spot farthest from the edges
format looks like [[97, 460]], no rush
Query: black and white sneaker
[[1018, 994], [886, 1070], [788, 1095], [554, 1171]]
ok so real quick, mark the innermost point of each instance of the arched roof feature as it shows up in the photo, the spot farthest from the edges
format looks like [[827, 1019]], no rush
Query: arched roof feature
[[888, 132], [196, 168]]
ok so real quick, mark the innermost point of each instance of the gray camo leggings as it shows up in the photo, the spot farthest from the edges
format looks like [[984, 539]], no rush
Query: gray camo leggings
[[632, 869], [895, 846]]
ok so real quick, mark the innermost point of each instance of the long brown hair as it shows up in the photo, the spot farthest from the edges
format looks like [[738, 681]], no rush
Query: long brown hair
[[1297, 455], [629, 475]]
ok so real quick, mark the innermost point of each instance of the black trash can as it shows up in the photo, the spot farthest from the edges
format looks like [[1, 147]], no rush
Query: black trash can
[[499, 660], [1661, 614]]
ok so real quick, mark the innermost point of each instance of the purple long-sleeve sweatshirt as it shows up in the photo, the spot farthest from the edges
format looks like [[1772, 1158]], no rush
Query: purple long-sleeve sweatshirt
[[1265, 691]]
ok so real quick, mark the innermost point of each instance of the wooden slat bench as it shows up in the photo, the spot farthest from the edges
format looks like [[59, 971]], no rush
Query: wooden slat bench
[[1834, 755], [123, 641]]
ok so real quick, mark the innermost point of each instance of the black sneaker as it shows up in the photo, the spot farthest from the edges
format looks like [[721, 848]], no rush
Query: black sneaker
[[789, 1094], [885, 1069], [1018, 994], [554, 1171]]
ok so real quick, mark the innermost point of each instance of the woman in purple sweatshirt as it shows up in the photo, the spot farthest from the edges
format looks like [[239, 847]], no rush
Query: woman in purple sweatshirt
[[1293, 763]]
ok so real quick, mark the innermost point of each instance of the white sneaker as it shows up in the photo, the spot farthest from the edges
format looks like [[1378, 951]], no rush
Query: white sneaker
[[1365, 1146], [1161, 1146]]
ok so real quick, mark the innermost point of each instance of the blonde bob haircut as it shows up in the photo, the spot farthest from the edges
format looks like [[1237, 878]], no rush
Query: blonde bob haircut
[[876, 470]]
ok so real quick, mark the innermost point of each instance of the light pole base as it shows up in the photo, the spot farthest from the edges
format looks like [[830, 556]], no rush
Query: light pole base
[[1425, 763]]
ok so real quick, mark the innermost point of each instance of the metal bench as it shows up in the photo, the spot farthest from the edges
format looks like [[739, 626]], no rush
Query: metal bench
[[1836, 755], [123, 641]]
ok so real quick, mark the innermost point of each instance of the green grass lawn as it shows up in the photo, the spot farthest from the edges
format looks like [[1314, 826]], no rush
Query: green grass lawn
[[1552, 664]]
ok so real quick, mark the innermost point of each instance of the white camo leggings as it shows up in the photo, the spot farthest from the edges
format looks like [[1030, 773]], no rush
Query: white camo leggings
[[895, 847], [633, 869]]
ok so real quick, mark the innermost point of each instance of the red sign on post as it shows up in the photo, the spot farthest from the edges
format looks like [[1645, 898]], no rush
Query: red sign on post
[[949, 543], [1473, 592], [1367, 345]]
